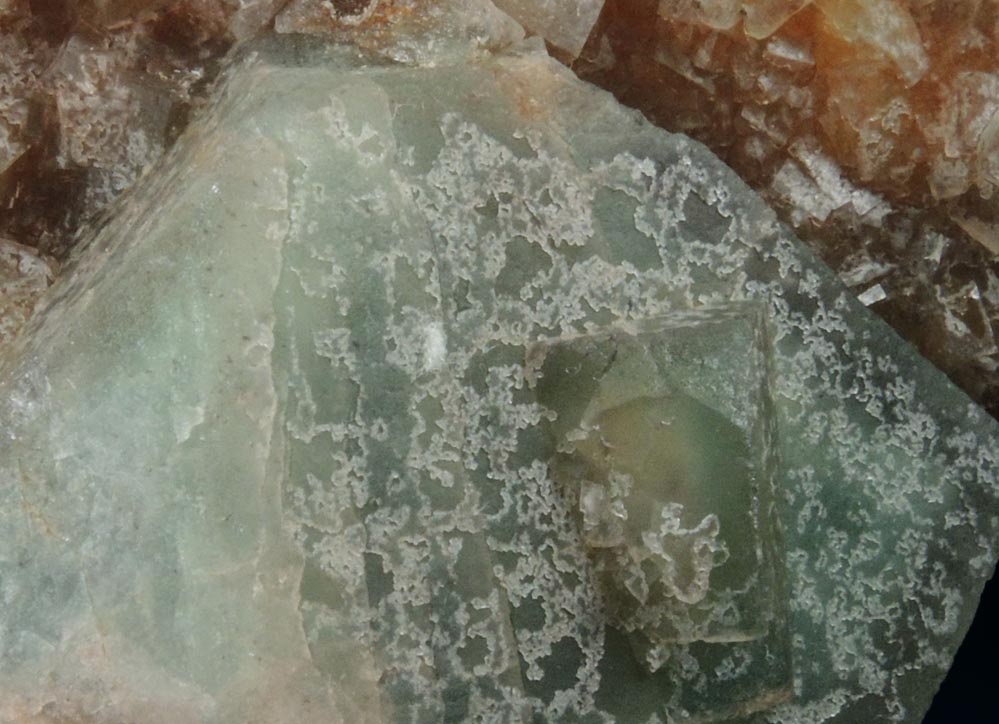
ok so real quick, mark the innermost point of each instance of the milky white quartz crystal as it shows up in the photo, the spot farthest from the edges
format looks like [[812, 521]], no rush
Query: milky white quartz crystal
[[282, 446]]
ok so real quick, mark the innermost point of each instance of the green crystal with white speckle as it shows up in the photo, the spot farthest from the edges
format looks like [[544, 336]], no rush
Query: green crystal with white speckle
[[458, 392]]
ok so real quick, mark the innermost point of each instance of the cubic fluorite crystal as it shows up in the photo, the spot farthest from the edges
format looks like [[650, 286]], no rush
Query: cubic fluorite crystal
[[458, 392]]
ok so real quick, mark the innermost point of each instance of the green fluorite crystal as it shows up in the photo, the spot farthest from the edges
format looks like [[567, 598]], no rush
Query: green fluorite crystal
[[461, 393], [672, 480]]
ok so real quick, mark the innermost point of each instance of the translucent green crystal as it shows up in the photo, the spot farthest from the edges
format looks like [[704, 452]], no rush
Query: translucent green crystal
[[665, 444], [458, 392], [672, 480]]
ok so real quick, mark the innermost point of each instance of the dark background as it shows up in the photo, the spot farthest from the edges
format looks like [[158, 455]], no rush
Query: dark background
[[970, 693]]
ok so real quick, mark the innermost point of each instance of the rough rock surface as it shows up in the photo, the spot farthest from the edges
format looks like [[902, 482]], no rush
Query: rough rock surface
[[277, 449]]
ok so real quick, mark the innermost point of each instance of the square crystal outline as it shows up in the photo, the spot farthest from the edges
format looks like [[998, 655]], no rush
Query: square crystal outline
[[768, 532]]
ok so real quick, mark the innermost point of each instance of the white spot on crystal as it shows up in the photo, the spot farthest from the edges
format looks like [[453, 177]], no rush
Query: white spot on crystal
[[873, 295], [185, 419], [434, 348]]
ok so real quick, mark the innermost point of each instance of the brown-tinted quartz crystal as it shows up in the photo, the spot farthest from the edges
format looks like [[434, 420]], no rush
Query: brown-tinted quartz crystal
[[871, 125], [904, 95]]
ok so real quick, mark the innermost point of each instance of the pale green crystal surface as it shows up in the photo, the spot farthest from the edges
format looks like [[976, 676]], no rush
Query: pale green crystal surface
[[664, 448], [283, 447]]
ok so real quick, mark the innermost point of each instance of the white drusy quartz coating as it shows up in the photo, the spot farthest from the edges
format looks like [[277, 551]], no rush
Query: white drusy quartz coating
[[274, 449]]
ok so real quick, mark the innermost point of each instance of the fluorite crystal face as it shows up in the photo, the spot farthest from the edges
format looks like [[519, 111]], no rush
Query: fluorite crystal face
[[665, 448], [665, 451], [458, 392]]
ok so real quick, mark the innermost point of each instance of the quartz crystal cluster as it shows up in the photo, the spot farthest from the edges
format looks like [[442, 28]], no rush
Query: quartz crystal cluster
[[421, 381], [904, 96], [872, 126]]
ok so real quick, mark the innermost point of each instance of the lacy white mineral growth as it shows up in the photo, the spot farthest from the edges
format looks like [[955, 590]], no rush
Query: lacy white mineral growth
[[432, 385]]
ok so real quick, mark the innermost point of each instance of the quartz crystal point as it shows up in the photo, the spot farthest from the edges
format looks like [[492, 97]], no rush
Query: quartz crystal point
[[461, 393]]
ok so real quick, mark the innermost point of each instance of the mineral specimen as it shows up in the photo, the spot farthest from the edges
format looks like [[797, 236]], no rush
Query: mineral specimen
[[455, 391]]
